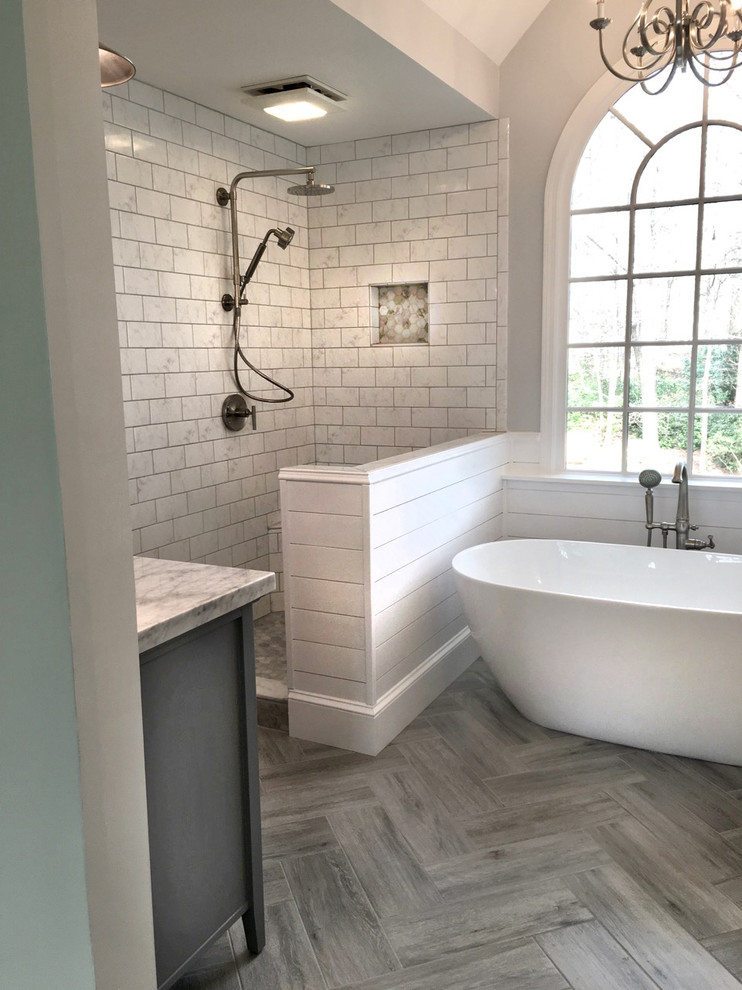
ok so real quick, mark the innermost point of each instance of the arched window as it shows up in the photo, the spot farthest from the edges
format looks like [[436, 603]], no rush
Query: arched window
[[654, 324]]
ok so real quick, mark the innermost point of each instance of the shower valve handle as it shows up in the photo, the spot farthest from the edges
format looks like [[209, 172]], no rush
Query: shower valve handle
[[235, 413]]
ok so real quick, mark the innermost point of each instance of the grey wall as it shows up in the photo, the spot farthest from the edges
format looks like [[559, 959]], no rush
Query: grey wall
[[542, 81], [43, 893], [75, 274]]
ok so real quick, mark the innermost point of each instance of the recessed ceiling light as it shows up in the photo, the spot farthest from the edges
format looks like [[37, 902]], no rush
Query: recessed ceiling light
[[296, 110], [299, 98]]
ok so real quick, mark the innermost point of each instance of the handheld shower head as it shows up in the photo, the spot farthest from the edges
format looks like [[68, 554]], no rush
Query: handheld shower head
[[649, 478], [283, 237]]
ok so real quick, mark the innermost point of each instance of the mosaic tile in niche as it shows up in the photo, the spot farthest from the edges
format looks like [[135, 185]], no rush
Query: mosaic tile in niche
[[402, 313]]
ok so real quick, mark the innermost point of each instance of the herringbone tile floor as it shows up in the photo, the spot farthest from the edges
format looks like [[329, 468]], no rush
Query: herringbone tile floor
[[482, 851]]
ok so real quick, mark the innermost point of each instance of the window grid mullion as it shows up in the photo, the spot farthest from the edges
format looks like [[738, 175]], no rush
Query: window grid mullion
[[653, 205], [638, 276], [690, 442], [632, 278]]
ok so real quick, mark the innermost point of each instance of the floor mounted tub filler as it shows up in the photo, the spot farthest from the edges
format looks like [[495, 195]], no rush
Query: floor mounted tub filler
[[634, 645]]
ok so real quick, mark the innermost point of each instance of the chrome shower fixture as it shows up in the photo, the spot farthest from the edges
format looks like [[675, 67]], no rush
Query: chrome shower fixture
[[235, 411], [284, 239], [228, 197], [649, 479], [311, 188]]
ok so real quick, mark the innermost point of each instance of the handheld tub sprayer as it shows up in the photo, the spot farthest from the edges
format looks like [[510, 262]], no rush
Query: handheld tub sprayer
[[649, 479]]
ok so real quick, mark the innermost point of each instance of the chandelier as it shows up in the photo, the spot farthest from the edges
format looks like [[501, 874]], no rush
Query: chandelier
[[705, 39]]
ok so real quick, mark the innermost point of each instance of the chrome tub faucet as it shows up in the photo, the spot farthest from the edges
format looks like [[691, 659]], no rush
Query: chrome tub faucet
[[649, 479]]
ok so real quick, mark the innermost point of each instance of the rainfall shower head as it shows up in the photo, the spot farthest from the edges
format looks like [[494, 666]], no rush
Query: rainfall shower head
[[311, 188]]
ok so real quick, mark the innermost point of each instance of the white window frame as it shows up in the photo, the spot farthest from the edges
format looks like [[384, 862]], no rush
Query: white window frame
[[555, 314]]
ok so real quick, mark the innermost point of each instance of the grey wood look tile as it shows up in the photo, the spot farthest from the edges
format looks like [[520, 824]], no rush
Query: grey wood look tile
[[491, 853], [298, 838], [515, 966], [432, 833], [214, 969], [474, 743], [292, 791], [592, 960], [338, 766], [703, 850], [478, 677], [564, 751], [535, 786], [728, 950], [504, 720], [287, 962], [661, 946], [722, 775], [349, 943], [529, 821], [394, 881], [275, 885], [518, 864], [314, 750], [457, 787], [717, 808], [700, 907], [273, 713], [276, 748], [452, 700], [732, 889], [478, 921], [419, 728], [292, 804]]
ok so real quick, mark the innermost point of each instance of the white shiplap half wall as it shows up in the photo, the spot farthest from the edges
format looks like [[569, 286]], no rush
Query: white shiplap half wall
[[375, 629]]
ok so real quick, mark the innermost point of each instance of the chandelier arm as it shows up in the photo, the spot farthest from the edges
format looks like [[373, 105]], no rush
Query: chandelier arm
[[667, 38], [637, 61], [665, 84], [727, 70], [663, 23], [699, 21], [611, 68], [636, 56]]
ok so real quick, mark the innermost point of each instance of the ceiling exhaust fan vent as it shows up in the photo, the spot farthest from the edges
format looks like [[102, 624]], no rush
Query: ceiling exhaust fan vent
[[294, 86]]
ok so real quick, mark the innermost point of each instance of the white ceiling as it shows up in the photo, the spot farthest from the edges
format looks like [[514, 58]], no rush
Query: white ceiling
[[206, 51], [493, 26]]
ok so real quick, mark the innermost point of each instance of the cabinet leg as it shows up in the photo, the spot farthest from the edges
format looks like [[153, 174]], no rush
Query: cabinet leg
[[254, 926]]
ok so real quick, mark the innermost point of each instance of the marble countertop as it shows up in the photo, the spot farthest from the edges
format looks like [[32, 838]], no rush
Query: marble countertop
[[174, 597]]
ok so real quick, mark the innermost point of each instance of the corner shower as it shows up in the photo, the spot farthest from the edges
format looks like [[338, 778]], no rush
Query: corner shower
[[235, 410]]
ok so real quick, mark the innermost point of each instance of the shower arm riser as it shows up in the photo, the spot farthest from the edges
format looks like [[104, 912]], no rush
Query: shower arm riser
[[224, 197]]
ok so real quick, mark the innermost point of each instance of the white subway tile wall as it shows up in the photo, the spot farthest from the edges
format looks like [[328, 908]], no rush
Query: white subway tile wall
[[199, 492], [419, 207]]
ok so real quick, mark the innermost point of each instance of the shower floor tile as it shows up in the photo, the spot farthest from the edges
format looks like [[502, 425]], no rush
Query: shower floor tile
[[270, 656]]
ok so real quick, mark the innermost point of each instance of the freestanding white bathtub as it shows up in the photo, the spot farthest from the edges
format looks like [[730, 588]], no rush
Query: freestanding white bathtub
[[634, 645]]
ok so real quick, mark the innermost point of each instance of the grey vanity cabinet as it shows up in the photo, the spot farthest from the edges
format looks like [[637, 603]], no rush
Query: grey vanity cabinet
[[201, 759]]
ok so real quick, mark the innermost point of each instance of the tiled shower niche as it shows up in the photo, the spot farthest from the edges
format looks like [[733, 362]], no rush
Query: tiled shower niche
[[399, 313]]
